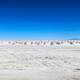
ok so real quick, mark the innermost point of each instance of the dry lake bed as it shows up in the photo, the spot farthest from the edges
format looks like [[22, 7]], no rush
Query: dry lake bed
[[32, 62]]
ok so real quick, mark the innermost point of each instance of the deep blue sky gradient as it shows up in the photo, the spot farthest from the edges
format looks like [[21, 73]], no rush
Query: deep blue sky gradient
[[39, 19]]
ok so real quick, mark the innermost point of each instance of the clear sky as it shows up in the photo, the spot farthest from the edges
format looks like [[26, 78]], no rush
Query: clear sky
[[39, 19]]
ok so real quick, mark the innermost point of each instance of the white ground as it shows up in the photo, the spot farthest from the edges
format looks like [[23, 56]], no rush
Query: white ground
[[27, 62]]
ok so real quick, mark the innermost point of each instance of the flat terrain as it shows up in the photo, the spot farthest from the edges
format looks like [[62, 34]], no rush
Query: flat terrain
[[25, 62]]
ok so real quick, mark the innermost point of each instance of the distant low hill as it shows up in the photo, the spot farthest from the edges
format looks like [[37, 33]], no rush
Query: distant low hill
[[74, 39]]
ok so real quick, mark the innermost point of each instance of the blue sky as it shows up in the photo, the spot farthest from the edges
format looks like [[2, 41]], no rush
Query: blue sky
[[39, 19]]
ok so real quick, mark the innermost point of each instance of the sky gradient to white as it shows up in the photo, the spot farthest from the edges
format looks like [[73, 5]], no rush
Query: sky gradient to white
[[39, 19]]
